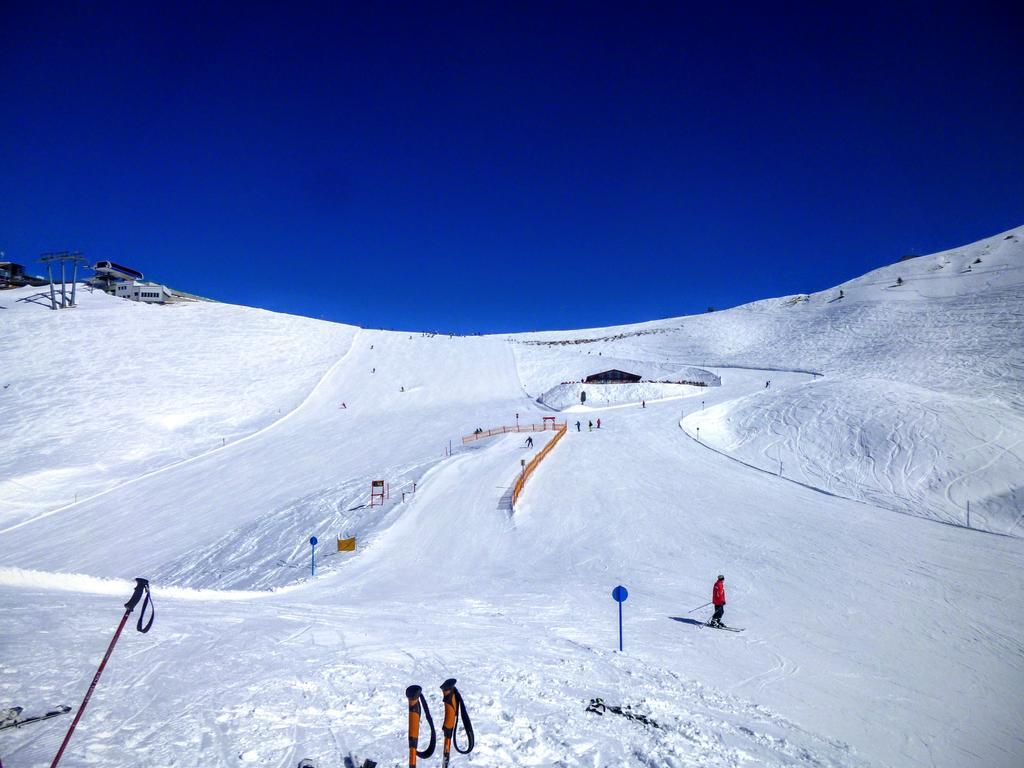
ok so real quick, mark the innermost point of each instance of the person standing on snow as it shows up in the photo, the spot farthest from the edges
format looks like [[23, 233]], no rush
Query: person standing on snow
[[529, 442], [598, 423], [590, 426], [718, 600], [577, 426]]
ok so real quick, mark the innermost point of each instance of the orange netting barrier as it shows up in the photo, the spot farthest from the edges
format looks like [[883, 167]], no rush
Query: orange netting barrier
[[556, 426], [535, 461]]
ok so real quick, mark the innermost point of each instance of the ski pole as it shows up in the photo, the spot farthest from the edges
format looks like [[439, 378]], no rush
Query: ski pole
[[141, 587], [453, 707], [416, 701], [699, 607]]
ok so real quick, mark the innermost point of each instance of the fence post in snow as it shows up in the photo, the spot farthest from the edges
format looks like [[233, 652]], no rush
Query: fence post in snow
[[312, 549], [968, 513]]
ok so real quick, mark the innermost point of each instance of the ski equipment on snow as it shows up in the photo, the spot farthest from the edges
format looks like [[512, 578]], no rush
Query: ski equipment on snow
[[418, 704], [722, 626], [454, 706], [598, 707], [11, 718], [141, 588], [699, 607]]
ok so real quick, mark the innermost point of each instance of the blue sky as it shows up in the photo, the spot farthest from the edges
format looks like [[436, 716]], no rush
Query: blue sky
[[477, 167]]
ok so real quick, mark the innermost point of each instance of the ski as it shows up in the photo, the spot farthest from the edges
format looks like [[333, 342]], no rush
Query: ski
[[598, 707], [12, 718], [727, 629]]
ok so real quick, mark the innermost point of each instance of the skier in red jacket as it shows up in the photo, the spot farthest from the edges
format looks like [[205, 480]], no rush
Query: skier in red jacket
[[718, 599]]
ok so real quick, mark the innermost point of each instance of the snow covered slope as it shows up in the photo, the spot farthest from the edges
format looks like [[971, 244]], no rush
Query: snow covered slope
[[111, 389], [922, 403], [872, 638]]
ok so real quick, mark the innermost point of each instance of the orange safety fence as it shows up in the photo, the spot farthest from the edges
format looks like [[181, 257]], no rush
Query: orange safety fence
[[535, 461], [514, 428]]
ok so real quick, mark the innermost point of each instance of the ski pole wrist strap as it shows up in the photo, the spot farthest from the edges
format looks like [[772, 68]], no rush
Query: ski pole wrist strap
[[142, 593]]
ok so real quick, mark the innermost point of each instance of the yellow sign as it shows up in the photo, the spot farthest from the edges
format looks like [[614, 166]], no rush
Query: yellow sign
[[347, 545]]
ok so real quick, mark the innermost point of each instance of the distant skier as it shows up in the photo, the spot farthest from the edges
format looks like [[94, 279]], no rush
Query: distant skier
[[344, 406], [577, 426], [718, 600], [766, 384], [643, 403], [529, 442], [598, 423], [590, 426]]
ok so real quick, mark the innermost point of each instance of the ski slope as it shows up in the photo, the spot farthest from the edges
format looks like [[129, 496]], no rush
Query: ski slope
[[879, 630], [99, 395]]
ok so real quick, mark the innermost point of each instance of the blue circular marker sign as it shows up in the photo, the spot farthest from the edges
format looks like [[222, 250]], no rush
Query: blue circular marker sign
[[620, 593], [312, 540]]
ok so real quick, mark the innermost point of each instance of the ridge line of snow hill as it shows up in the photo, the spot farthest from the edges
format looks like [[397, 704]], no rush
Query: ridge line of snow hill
[[199, 456], [966, 253]]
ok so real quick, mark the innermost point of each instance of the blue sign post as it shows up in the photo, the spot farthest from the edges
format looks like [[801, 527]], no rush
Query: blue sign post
[[312, 548], [620, 593]]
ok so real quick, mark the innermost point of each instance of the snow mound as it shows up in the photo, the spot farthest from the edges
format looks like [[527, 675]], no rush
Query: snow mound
[[896, 445]]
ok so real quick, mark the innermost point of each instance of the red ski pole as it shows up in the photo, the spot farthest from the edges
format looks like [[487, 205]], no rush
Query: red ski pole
[[141, 587]]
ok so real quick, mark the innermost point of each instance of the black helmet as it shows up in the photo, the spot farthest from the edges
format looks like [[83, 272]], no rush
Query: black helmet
[[721, 577]]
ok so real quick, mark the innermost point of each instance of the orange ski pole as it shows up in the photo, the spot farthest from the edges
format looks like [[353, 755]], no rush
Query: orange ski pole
[[453, 707], [418, 705]]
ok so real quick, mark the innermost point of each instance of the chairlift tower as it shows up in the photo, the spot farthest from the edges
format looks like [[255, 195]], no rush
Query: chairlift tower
[[75, 258]]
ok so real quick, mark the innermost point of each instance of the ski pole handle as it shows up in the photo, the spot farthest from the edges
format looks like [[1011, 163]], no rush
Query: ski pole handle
[[450, 713], [417, 707], [412, 693], [141, 586], [454, 706]]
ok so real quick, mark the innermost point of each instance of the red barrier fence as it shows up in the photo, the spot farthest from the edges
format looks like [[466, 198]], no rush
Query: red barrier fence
[[556, 426]]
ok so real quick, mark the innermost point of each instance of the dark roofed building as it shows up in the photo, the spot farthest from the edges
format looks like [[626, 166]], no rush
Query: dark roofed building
[[14, 276], [614, 376]]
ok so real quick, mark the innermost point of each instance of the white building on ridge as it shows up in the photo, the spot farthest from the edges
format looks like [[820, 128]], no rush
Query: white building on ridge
[[151, 294]]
